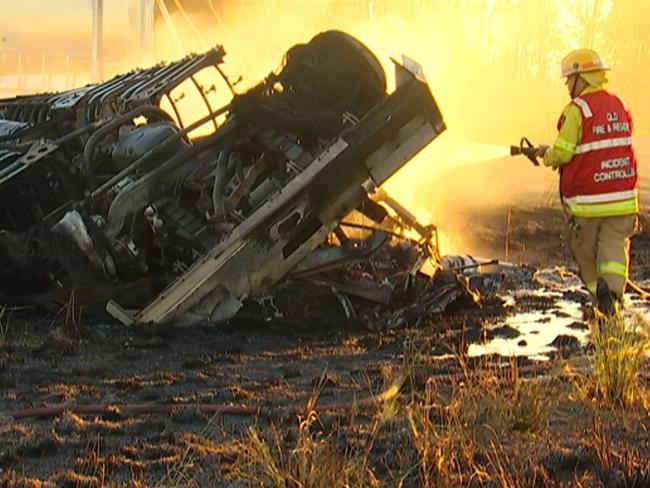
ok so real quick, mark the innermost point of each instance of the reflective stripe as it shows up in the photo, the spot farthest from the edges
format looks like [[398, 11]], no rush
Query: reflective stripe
[[609, 209], [604, 144], [564, 145], [592, 286], [584, 106], [612, 267], [603, 197]]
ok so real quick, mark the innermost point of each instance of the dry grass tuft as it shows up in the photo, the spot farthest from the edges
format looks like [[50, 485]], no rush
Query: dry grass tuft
[[491, 403], [514, 471], [93, 464], [457, 436], [313, 462], [621, 347], [440, 452], [72, 479], [11, 478], [617, 467], [4, 325], [186, 469], [388, 407], [73, 328]]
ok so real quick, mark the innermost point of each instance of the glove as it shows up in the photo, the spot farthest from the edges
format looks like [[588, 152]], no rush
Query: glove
[[541, 150]]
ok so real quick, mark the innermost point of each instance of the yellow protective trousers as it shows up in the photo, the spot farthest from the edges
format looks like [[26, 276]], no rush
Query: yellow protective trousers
[[601, 245]]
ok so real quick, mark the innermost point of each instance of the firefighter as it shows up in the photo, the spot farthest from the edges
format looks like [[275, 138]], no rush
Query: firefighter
[[598, 178]]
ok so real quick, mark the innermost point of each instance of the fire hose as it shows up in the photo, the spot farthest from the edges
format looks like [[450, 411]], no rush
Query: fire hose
[[219, 409], [644, 294]]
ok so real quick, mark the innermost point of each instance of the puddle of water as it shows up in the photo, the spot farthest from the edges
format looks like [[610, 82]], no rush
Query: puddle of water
[[538, 328]]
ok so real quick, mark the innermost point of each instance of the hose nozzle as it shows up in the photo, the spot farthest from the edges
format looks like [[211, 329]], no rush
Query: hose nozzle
[[526, 148]]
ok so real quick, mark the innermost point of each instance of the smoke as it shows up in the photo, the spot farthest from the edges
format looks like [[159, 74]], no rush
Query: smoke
[[489, 100], [493, 67]]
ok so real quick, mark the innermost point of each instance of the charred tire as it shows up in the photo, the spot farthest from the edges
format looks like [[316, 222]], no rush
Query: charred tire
[[333, 74]]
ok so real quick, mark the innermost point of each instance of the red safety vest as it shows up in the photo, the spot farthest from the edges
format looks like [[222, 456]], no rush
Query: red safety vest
[[601, 178]]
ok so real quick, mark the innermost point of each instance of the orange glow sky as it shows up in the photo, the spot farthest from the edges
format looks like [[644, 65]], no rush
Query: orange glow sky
[[493, 66]]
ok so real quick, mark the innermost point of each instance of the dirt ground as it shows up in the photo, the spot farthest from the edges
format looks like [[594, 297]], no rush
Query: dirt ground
[[280, 369]]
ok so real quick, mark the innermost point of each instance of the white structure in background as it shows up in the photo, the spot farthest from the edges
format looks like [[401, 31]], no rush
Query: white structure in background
[[94, 42], [141, 24]]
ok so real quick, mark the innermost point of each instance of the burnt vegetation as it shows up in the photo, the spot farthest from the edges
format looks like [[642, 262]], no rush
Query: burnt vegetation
[[340, 363]]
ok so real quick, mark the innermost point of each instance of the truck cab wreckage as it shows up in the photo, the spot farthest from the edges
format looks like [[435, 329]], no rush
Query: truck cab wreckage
[[107, 196]]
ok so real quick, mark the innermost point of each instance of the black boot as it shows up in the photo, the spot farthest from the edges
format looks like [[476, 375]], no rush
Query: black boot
[[608, 301]]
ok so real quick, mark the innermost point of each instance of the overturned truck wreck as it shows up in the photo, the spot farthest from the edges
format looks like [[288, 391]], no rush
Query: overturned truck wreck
[[105, 194]]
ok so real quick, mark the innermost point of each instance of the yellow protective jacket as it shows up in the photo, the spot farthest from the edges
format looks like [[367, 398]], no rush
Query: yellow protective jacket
[[580, 195], [569, 135]]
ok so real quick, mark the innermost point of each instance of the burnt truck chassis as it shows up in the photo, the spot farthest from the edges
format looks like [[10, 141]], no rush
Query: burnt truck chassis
[[164, 227]]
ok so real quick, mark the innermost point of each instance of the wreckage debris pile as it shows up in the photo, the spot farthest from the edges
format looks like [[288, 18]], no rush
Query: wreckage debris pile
[[98, 205]]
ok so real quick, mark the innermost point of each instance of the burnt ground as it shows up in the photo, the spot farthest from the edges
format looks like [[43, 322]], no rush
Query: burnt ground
[[48, 361]]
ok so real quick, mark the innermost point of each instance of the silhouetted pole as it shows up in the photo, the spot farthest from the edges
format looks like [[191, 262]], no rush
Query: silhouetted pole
[[97, 48]]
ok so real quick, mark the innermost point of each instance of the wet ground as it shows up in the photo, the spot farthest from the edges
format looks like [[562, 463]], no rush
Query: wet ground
[[51, 361]]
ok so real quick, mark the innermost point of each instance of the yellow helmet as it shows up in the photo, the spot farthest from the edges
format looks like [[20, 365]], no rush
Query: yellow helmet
[[582, 61]]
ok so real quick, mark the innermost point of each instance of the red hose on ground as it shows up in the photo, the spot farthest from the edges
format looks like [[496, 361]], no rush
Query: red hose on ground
[[99, 409], [215, 409]]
